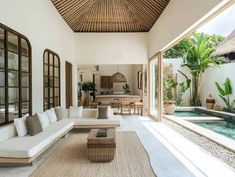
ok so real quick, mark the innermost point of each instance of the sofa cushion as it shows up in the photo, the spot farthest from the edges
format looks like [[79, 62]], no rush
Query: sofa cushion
[[75, 111], [90, 113], [103, 112], [51, 115], [28, 146], [33, 125], [61, 113], [7, 132], [20, 124], [43, 118]]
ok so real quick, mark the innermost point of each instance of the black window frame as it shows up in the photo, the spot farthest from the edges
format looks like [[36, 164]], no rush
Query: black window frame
[[51, 82], [19, 71]]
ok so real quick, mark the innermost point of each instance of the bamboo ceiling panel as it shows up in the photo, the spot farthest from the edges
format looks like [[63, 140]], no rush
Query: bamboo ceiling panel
[[110, 15]]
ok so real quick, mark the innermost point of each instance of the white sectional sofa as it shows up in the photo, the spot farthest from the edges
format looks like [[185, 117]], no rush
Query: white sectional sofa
[[23, 150]]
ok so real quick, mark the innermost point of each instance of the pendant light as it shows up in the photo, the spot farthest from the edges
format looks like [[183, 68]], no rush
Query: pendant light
[[118, 77]]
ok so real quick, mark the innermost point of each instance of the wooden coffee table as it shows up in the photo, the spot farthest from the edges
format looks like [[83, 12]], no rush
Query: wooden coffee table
[[101, 149]]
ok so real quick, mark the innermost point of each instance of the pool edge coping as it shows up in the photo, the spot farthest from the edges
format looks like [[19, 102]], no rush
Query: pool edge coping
[[213, 136]]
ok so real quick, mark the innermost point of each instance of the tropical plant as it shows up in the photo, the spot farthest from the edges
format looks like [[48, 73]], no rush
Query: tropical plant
[[169, 86], [225, 93], [183, 86], [126, 88], [198, 47], [88, 86]]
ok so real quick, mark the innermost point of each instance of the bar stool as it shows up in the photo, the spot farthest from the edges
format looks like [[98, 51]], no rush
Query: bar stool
[[116, 105], [126, 108], [138, 108]]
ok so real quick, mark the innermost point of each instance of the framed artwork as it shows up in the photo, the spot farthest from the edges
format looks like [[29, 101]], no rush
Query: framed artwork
[[145, 81], [139, 81]]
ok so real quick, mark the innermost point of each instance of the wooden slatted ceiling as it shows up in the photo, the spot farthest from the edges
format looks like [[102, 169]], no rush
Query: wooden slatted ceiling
[[110, 15]]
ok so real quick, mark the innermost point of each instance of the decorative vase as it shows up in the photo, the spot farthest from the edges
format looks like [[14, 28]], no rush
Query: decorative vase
[[210, 101], [169, 107]]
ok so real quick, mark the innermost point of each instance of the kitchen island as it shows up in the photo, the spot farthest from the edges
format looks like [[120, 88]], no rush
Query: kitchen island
[[120, 98]]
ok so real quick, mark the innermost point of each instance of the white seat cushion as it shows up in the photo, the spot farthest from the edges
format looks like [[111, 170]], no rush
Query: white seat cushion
[[51, 115], [44, 120], [28, 146], [75, 112], [20, 124]]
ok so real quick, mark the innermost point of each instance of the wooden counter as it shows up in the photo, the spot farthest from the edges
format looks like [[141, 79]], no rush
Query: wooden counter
[[120, 98]]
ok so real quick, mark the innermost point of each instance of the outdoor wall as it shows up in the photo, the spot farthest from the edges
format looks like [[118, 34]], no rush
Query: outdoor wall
[[178, 16], [218, 74], [111, 48], [40, 22]]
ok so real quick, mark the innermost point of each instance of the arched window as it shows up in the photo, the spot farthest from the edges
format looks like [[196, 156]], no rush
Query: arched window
[[15, 75], [51, 68]]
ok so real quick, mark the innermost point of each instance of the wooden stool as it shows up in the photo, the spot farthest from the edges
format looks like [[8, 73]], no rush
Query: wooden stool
[[117, 105], [138, 108], [126, 107]]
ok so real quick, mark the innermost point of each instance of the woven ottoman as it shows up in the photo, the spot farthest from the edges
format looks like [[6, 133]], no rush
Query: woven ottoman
[[101, 149]]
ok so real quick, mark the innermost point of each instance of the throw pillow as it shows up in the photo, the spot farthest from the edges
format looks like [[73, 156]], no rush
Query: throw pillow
[[103, 112], [33, 125], [43, 118], [75, 112], [61, 113], [51, 115], [20, 124]]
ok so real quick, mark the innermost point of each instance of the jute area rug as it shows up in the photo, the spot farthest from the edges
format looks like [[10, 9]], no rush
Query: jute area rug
[[70, 159]]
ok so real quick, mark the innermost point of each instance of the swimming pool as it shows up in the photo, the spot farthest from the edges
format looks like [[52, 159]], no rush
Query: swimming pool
[[222, 127], [189, 114]]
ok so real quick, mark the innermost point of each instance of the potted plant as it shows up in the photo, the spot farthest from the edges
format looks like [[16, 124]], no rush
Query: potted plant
[[126, 88], [87, 87], [169, 85]]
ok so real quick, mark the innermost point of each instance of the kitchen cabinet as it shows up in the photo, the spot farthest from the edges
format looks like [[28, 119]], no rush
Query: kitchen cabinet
[[106, 82]]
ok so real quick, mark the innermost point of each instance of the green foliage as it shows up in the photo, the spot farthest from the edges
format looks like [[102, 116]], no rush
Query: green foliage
[[126, 88], [169, 86], [179, 51], [225, 94], [88, 86], [183, 86], [199, 49]]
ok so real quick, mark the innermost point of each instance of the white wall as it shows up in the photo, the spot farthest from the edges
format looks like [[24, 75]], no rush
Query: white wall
[[40, 22], [218, 74], [111, 48], [178, 16]]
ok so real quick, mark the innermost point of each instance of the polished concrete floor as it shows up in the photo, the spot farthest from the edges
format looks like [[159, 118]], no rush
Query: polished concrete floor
[[164, 161]]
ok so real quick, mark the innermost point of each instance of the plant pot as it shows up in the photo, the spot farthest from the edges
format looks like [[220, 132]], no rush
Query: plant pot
[[169, 107]]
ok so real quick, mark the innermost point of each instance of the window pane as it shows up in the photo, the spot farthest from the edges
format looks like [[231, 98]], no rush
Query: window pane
[[50, 81], [51, 92], [51, 103], [56, 82], [25, 108], [12, 61], [56, 101], [1, 38], [56, 72], [2, 96], [46, 57], [2, 62], [51, 59], [13, 110], [24, 47], [2, 77], [57, 92], [25, 80], [51, 71], [25, 94], [2, 114], [13, 95], [13, 77], [45, 69], [45, 81], [24, 63], [46, 104], [12, 42], [56, 60], [46, 92]]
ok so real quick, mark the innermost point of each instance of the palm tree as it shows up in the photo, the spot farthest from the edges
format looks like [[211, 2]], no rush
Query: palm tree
[[198, 50]]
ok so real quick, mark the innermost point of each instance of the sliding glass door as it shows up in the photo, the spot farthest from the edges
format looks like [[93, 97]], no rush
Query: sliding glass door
[[155, 83]]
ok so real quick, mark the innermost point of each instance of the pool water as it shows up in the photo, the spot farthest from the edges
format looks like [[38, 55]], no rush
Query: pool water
[[189, 114], [222, 127]]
